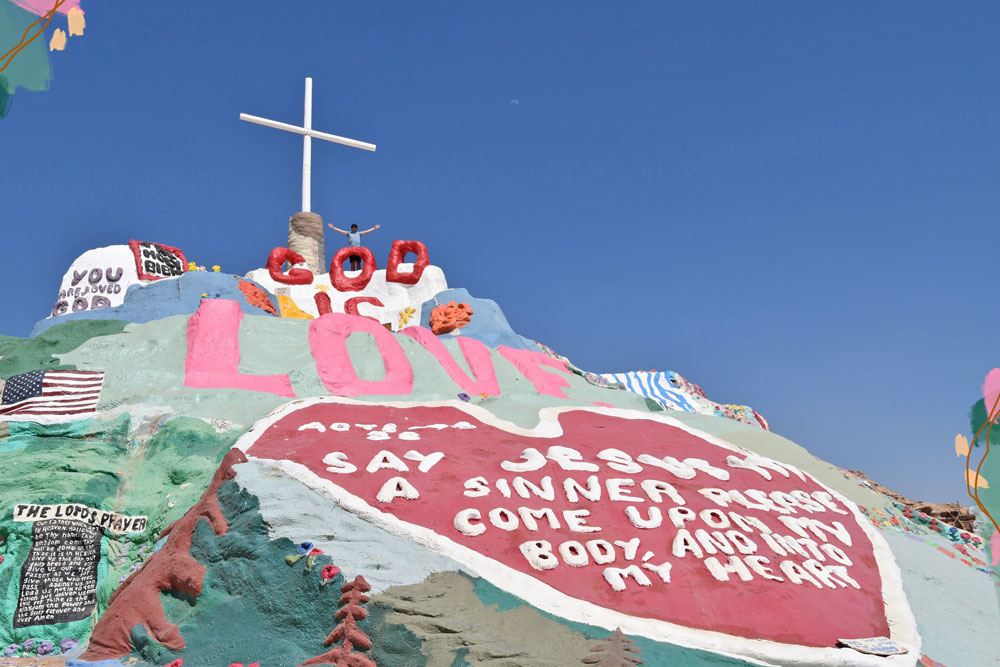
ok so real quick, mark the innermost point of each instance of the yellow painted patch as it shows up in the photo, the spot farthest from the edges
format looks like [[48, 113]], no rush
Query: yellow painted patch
[[405, 316], [961, 445], [289, 309], [76, 21], [58, 41], [970, 476]]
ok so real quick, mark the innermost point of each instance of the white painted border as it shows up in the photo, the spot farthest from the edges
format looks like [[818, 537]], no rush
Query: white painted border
[[902, 624]]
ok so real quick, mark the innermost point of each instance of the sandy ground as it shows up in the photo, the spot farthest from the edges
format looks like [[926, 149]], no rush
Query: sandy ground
[[53, 661]]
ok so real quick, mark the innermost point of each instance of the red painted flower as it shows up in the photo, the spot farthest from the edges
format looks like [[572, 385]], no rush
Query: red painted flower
[[1, 559], [329, 572], [176, 663], [315, 552]]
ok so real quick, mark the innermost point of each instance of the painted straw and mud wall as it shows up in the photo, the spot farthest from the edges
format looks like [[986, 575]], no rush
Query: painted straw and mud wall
[[285, 468]]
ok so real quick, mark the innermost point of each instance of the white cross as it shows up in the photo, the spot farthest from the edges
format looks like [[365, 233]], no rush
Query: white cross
[[307, 134]]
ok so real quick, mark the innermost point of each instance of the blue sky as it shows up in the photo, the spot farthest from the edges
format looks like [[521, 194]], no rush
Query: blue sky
[[789, 203]]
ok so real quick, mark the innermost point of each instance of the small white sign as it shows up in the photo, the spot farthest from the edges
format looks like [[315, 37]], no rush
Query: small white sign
[[874, 646], [112, 522]]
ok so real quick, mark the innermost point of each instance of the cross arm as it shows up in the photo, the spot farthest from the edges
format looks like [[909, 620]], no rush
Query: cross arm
[[311, 133]]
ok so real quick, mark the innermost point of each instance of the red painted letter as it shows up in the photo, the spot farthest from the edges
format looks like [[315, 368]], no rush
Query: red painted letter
[[278, 257], [322, 300], [351, 305], [344, 284], [396, 255]]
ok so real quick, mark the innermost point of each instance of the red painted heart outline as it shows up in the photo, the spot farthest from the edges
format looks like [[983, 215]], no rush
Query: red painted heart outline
[[291, 454]]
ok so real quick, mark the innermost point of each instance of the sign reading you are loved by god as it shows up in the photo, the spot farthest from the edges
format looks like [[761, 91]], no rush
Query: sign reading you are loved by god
[[605, 516]]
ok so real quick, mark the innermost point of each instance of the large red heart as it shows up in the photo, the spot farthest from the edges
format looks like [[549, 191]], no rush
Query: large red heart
[[580, 560]]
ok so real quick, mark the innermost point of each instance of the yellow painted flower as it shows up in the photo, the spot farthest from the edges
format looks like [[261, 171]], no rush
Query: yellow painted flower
[[216, 268], [192, 266], [405, 316]]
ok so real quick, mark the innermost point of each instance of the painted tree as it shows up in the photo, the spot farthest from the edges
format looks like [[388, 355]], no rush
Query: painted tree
[[347, 631], [614, 652]]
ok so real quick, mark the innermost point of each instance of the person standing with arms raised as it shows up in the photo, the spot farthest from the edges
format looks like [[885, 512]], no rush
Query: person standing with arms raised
[[354, 241]]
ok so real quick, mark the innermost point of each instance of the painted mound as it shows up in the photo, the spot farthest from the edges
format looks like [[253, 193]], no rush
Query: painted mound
[[291, 468]]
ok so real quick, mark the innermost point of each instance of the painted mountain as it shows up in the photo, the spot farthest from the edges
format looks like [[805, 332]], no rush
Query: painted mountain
[[312, 466]]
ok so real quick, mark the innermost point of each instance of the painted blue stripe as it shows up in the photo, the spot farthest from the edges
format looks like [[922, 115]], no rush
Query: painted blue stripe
[[654, 386], [676, 397], [653, 390]]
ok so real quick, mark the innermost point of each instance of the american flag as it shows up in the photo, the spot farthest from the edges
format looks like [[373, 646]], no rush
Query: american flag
[[48, 394]]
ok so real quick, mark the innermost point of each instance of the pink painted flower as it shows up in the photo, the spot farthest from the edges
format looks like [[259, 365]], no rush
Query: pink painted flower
[[315, 552], [176, 663], [329, 572]]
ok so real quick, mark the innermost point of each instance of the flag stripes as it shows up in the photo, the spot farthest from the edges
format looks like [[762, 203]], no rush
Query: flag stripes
[[57, 393]]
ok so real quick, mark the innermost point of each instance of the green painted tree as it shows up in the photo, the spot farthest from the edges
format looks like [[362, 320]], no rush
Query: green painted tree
[[614, 652]]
